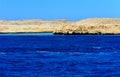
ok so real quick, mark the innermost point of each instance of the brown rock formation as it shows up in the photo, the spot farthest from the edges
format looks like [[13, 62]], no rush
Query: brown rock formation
[[92, 26], [88, 26]]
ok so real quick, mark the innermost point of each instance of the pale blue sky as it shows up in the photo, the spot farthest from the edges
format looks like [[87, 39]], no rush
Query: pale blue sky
[[58, 9]]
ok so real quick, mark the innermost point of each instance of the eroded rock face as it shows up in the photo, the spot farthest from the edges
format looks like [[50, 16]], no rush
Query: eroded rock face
[[30, 26], [91, 26]]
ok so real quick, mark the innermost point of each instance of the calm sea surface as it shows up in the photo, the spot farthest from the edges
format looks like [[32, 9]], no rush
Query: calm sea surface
[[59, 56]]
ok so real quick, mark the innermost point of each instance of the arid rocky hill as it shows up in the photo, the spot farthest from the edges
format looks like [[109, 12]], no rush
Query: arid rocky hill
[[99, 21], [30, 25], [92, 26], [87, 26]]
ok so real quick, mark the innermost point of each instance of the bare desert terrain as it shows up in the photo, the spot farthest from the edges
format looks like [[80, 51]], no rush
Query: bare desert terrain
[[30, 26], [87, 26]]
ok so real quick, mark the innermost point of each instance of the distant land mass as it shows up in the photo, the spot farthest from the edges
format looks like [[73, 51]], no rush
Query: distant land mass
[[93, 26], [30, 26]]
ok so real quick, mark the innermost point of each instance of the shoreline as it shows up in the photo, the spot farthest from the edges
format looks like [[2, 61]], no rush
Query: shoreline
[[58, 34], [91, 26], [27, 33], [22, 32]]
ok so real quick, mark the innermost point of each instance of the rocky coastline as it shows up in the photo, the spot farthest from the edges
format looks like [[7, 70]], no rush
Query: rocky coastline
[[91, 26]]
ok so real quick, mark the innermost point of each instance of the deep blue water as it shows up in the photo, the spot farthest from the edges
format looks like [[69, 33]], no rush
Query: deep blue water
[[59, 56]]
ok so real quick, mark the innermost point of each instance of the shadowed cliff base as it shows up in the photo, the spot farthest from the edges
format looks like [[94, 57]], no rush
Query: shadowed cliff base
[[91, 26], [85, 34]]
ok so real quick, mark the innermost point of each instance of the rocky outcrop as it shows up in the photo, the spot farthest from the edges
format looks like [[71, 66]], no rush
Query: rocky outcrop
[[91, 26]]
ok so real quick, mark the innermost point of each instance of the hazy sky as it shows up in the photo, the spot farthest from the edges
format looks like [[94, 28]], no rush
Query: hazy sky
[[58, 9]]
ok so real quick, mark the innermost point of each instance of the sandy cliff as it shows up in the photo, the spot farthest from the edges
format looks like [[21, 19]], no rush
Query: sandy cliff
[[92, 26]]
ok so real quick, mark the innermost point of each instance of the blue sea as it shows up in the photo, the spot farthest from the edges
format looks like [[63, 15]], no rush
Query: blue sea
[[37, 55]]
